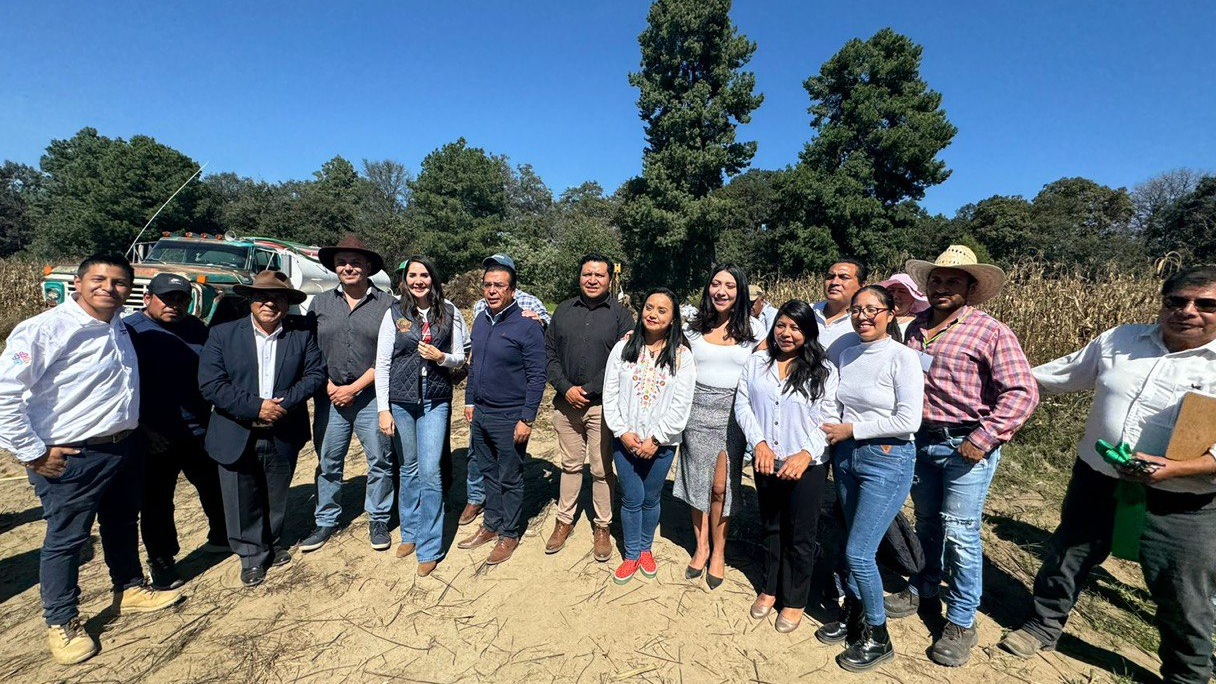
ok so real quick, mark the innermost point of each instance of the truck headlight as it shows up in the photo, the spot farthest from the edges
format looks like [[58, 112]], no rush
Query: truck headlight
[[54, 293]]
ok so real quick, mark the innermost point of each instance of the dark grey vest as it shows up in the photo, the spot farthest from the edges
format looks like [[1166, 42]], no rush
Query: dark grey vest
[[405, 371]]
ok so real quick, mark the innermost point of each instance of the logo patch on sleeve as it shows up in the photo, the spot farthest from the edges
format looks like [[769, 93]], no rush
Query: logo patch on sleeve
[[21, 358]]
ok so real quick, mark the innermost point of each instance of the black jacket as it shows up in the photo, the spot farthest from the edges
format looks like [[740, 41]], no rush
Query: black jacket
[[228, 378]]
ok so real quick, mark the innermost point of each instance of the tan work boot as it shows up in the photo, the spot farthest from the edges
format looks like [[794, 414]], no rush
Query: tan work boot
[[69, 643], [427, 568], [144, 599], [502, 550], [557, 540], [481, 536], [404, 549], [602, 544]]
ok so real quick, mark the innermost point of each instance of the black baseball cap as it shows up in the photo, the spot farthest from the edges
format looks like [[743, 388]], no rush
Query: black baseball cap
[[164, 283]]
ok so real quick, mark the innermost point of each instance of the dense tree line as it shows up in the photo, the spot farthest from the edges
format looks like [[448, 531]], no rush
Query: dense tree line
[[877, 129]]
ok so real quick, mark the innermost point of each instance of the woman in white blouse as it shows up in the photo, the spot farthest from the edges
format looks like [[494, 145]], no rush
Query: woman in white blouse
[[421, 340], [784, 395], [722, 336], [882, 392], [648, 387]]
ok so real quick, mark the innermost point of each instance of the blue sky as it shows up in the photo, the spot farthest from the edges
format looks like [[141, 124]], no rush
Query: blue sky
[[1114, 91]]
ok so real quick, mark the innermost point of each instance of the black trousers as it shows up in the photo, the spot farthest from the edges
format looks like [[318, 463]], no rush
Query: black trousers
[[160, 482], [789, 516], [255, 499], [1177, 555]]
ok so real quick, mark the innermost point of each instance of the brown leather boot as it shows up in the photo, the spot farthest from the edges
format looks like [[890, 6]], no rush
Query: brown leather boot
[[470, 513], [481, 536], [404, 549], [502, 550], [557, 540], [602, 544]]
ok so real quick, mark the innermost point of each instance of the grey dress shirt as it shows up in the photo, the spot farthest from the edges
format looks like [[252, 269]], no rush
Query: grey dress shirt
[[347, 336]]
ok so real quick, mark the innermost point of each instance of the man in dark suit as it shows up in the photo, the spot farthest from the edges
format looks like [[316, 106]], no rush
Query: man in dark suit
[[258, 373]]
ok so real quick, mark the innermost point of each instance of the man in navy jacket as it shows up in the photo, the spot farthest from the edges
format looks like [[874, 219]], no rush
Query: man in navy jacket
[[503, 393], [258, 373]]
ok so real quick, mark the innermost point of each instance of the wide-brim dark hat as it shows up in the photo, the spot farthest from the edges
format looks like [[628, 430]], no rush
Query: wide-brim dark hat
[[271, 281], [350, 243]]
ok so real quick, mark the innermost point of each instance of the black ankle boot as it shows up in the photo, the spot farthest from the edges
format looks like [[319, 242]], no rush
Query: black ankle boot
[[872, 649], [846, 628]]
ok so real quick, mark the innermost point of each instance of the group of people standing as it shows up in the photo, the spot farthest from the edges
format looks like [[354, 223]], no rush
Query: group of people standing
[[899, 388]]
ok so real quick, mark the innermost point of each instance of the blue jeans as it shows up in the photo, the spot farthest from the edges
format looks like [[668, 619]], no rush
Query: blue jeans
[[949, 492], [103, 483], [421, 430], [331, 433], [501, 461], [641, 484], [474, 483], [873, 477]]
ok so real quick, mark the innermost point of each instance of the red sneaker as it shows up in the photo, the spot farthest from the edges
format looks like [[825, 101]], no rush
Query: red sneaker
[[647, 565], [625, 571]]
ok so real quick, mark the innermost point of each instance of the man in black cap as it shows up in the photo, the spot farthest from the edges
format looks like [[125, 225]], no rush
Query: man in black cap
[[173, 417]]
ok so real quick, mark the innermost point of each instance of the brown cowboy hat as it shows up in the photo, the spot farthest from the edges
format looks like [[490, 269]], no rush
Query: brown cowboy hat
[[350, 243], [988, 278], [271, 281]]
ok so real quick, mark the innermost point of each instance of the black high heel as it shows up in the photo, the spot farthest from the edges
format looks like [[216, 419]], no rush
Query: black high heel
[[692, 573], [713, 582]]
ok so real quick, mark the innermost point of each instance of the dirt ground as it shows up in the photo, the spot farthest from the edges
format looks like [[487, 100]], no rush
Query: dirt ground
[[346, 613]]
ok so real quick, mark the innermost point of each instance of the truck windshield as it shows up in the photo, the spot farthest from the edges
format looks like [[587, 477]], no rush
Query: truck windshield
[[201, 253]]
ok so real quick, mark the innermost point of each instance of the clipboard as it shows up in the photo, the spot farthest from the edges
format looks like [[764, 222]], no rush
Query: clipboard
[[1195, 431]]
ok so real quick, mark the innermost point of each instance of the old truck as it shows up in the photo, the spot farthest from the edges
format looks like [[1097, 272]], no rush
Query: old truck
[[213, 265]]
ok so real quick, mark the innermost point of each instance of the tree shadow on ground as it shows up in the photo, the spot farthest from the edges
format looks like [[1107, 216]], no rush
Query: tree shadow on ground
[[11, 521]]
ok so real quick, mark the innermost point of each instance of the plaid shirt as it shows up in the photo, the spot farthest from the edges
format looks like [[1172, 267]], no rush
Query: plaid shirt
[[979, 375], [527, 301]]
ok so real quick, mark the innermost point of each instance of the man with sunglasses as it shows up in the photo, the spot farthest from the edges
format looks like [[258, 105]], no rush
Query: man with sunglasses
[[259, 373], [173, 417], [1139, 375]]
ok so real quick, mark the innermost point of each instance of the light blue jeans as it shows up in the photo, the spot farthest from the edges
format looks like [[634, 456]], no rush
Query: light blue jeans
[[949, 493], [332, 429], [421, 429], [872, 481], [474, 482]]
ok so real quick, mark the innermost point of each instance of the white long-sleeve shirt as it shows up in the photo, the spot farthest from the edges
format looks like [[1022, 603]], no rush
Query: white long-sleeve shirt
[[646, 400], [882, 390], [788, 421], [1138, 387], [66, 377], [388, 337], [267, 346]]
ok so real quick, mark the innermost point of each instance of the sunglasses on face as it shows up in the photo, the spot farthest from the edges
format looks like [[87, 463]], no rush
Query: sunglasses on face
[[1205, 305]]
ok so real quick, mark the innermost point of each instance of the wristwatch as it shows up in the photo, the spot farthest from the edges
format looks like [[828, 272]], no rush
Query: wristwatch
[[527, 422]]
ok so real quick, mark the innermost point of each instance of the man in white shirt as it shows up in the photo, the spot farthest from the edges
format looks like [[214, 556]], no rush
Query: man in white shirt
[[1139, 375], [763, 313], [68, 408], [841, 281]]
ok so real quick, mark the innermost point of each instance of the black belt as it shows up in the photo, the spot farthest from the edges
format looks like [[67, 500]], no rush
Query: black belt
[[947, 430], [107, 439]]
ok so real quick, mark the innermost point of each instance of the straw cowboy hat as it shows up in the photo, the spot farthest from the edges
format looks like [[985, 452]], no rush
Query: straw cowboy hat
[[274, 282], [988, 278], [350, 243]]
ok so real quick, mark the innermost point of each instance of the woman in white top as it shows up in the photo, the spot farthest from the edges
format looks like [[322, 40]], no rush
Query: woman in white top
[[648, 388], [722, 336], [784, 395], [421, 341], [882, 393]]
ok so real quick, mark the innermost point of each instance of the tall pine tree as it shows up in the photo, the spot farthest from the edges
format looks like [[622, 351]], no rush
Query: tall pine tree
[[693, 95]]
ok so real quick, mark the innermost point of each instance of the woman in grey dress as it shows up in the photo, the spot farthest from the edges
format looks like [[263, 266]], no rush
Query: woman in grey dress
[[722, 337]]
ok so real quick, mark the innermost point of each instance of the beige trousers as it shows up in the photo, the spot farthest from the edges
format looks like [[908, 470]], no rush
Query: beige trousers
[[582, 436]]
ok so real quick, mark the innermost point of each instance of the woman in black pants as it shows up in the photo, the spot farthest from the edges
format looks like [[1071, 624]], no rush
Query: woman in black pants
[[786, 392]]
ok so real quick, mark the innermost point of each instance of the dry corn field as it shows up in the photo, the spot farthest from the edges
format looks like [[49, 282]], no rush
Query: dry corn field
[[348, 614]]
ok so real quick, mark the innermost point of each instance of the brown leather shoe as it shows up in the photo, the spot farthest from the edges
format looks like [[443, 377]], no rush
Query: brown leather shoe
[[602, 545], [502, 550], [404, 550], [426, 568], [557, 540], [470, 513], [481, 536]]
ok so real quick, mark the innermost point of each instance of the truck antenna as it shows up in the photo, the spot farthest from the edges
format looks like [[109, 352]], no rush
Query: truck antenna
[[131, 249]]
